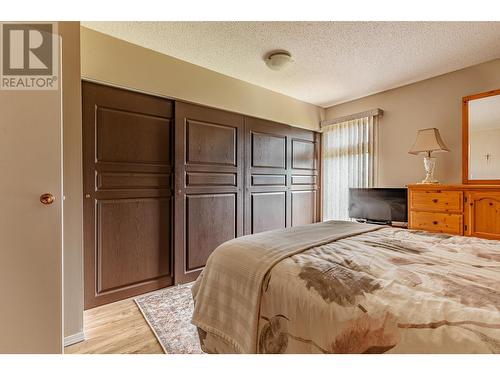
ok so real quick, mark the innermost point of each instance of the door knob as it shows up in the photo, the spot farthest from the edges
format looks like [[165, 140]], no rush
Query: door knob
[[47, 198]]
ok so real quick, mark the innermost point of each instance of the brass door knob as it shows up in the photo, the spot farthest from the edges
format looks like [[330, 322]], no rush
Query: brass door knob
[[47, 198]]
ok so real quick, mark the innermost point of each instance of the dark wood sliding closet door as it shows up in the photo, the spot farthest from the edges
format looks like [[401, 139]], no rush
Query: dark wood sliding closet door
[[208, 184], [128, 168], [281, 168], [267, 201]]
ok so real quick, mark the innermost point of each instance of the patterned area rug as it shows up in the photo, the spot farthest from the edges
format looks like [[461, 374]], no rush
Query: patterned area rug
[[168, 313]]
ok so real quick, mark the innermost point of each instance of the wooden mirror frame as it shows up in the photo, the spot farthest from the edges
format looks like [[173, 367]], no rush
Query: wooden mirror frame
[[465, 138]]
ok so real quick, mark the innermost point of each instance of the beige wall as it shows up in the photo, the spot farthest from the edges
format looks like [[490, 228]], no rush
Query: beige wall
[[435, 102], [107, 59], [72, 179]]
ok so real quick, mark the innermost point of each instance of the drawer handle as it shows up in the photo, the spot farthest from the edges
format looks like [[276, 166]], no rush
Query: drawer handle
[[435, 200], [435, 222]]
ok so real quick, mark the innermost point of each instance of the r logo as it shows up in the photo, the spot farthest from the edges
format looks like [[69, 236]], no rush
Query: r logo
[[27, 49]]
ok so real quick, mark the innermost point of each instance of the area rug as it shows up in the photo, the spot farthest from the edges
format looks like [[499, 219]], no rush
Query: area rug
[[168, 313]]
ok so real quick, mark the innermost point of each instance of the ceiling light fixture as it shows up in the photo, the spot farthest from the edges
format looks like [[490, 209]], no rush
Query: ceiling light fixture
[[277, 60]]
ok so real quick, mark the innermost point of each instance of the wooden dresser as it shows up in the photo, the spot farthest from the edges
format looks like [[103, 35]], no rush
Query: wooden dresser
[[469, 210]]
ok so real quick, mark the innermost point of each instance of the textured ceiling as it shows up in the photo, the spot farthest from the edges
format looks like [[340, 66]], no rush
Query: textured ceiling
[[334, 61]]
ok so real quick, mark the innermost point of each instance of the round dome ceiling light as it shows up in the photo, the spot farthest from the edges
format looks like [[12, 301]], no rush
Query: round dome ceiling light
[[277, 60]]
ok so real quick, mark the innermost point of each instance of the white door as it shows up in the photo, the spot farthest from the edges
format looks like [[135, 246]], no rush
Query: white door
[[30, 232]]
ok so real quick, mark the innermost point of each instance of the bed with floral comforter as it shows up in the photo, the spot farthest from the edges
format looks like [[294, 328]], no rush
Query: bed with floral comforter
[[367, 290]]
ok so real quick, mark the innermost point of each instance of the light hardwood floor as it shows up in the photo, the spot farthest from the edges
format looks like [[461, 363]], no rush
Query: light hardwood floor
[[116, 328]]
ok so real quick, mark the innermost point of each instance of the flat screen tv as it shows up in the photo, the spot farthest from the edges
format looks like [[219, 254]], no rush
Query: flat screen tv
[[378, 205]]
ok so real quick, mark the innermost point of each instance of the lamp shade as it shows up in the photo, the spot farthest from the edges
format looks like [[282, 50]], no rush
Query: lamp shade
[[428, 140]]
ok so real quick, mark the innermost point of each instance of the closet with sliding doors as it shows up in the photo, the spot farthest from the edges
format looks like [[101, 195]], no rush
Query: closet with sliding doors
[[166, 182]]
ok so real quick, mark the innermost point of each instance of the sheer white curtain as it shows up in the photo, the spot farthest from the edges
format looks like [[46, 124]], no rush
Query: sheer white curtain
[[349, 160]]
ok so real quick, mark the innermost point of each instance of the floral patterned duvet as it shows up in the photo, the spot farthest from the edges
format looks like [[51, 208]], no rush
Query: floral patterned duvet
[[385, 291]]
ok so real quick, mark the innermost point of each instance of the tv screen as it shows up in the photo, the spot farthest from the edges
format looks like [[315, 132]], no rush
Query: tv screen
[[381, 205]]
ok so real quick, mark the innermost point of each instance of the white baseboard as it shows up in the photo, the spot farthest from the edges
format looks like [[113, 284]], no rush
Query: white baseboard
[[73, 339]]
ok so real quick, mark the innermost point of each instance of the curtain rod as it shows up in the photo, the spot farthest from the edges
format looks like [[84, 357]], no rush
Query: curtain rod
[[371, 112]]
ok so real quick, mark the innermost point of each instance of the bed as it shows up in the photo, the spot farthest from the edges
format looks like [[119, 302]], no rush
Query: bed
[[342, 287]]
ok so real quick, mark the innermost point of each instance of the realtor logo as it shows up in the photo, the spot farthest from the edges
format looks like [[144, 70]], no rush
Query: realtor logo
[[29, 56]]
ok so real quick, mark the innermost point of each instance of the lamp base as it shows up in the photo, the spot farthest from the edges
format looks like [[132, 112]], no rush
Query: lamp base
[[429, 165], [430, 181]]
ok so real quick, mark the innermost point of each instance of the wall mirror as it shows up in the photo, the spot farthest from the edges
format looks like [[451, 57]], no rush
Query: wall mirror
[[481, 138]]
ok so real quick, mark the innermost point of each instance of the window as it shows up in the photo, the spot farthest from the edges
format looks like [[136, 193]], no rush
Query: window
[[349, 155]]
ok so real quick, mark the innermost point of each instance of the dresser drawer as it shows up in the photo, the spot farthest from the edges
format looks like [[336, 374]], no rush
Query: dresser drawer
[[437, 200], [437, 222]]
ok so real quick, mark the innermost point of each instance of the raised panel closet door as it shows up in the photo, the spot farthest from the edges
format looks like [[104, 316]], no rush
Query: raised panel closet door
[[267, 201], [128, 207], [208, 184]]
